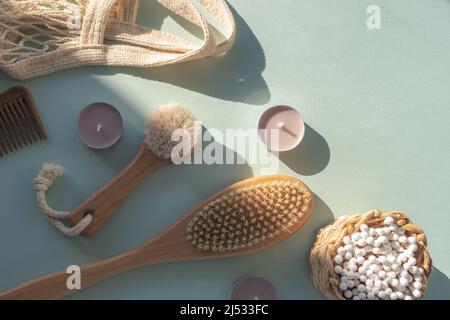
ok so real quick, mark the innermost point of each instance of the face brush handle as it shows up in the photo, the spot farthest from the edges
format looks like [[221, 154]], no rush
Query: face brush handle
[[105, 201]]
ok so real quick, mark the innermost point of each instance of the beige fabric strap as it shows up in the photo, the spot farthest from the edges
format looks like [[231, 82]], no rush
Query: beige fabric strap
[[221, 11], [95, 21], [128, 10], [146, 37], [133, 45]]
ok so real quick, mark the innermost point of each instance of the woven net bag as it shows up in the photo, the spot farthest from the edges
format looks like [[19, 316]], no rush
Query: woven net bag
[[38, 37], [330, 238]]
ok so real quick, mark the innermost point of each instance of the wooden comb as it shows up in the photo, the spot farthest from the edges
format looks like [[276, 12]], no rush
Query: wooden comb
[[20, 124]]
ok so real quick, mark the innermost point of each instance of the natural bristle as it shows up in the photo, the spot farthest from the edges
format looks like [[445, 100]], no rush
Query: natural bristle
[[245, 217], [163, 122]]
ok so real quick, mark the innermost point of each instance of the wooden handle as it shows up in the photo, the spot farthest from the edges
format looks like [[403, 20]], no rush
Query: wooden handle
[[169, 246], [105, 201], [55, 285]]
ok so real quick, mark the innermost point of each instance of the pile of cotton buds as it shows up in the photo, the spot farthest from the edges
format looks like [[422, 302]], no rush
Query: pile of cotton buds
[[379, 264]]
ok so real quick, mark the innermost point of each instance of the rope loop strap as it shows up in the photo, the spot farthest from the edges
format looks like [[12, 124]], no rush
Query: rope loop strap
[[47, 176]]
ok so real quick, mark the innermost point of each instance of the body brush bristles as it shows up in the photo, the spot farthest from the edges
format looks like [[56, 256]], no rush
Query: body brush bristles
[[245, 217]]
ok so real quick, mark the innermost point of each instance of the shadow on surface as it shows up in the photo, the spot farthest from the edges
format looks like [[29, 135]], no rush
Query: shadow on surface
[[235, 76], [311, 156], [438, 286], [302, 285]]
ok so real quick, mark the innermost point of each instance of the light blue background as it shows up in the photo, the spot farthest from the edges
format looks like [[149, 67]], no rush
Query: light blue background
[[376, 103]]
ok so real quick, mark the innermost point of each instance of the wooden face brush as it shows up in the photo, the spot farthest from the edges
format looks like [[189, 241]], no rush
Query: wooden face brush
[[20, 124], [154, 152], [246, 217]]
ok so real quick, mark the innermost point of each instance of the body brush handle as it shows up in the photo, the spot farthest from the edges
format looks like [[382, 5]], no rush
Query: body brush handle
[[55, 285], [267, 209], [106, 200], [169, 246]]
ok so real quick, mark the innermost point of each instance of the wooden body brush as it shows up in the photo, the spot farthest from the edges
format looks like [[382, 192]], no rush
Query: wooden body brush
[[154, 152], [246, 217]]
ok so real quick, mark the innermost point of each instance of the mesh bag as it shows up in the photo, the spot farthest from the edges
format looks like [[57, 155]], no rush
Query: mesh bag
[[38, 37]]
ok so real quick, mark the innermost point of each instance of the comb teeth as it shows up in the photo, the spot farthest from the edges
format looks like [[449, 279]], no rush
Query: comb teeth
[[20, 124]]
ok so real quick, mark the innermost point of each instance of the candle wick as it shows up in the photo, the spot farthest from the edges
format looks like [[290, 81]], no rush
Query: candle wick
[[283, 127], [99, 127]]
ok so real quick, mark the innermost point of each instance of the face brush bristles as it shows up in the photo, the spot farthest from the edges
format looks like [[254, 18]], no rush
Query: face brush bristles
[[155, 151], [20, 124], [162, 123], [246, 217]]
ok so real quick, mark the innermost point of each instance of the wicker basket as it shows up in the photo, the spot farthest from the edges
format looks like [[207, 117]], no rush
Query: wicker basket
[[330, 238]]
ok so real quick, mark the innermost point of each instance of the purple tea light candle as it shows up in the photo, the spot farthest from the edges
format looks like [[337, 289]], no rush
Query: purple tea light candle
[[254, 288], [100, 125], [289, 126]]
